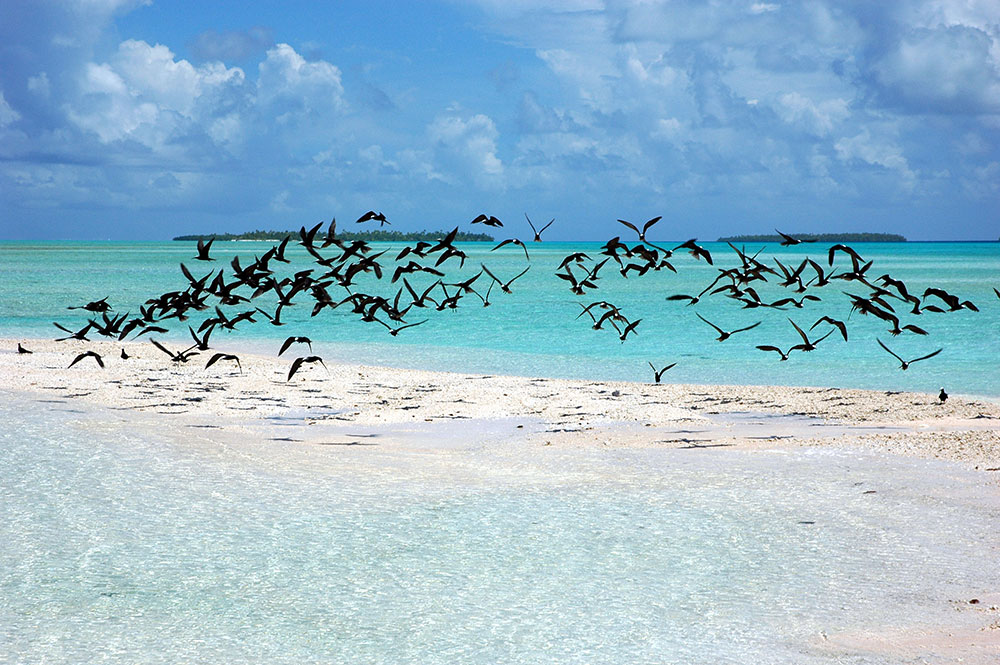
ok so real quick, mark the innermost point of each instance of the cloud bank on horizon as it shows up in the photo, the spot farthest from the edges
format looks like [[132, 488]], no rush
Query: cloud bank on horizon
[[127, 119]]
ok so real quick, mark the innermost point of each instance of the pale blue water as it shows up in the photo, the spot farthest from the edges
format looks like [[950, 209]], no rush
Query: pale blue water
[[122, 546], [534, 331]]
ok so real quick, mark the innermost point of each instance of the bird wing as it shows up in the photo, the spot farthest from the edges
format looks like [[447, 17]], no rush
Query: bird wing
[[645, 227], [747, 328], [799, 331], [929, 355], [530, 224], [214, 359], [296, 364], [889, 350], [161, 347], [630, 225], [547, 225], [720, 330]]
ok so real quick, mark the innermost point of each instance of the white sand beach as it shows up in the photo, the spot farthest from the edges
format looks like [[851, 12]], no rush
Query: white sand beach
[[542, 411]]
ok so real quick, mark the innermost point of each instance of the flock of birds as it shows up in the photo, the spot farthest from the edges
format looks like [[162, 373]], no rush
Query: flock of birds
[[339, 265]]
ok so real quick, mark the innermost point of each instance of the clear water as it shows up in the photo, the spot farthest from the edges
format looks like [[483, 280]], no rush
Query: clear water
[[534, 331], [125, 547]]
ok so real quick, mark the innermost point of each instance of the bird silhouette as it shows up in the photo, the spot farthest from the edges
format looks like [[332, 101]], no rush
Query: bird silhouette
[[88, 354], [538, 233], [203, 248], [768, 347], [224, 356], [942, 396], [645, 227], [298, 362], [21, 349], [905, 364], [658, 374], [723, 335]]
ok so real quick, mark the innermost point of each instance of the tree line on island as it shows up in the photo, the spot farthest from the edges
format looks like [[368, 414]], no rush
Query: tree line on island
[[374, 235]]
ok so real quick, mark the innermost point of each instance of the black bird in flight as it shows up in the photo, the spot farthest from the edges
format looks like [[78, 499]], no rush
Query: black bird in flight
[[203, 249], [723, 335], [488, 221], [768, 347], [538, 233], [21, 349], [298, 362], [645, 227], [80, 334], [504, 286], [180, 356], [696, 251], [395, 331], [904, 364], [371, 215], [514, 241], [96, 306], [658, 374], [630, 328], [223, 356], [295, 340], [787, 240], [840, 325], [806, 345], [88, 354]]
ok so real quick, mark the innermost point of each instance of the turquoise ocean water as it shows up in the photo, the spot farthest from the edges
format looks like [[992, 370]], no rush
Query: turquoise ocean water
[[534, 331], [121, 544], [125, 543]]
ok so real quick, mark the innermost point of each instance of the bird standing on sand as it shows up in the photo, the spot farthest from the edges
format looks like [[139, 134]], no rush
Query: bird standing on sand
[[21, 349], [943, 396]]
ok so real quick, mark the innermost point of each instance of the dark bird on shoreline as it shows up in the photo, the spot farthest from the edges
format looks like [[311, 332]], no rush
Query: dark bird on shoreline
[[224, 356], [295, 340], [298, 362], [203, 249], [21, 349], [788, 241], [768, 347], [904, 364], [942, 396], [645, 227], [658, 374], [723, 335], [488, 221], [88, 354], [371, 215], [125, 356], [538, 233]]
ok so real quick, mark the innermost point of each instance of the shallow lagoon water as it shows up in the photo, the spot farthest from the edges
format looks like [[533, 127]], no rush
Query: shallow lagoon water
[[535, 332], [124, 546]]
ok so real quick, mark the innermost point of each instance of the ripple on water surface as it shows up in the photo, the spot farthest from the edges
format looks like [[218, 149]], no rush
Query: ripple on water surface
[[140, 548]]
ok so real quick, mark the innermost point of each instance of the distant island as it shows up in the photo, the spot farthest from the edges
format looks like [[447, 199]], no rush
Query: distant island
[[372, 236], [818, 237]]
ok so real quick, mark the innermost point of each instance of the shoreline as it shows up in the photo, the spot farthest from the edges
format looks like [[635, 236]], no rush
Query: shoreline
[[544, 411]]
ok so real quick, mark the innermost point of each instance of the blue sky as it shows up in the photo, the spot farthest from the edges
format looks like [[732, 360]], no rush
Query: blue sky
[[129, 119]]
